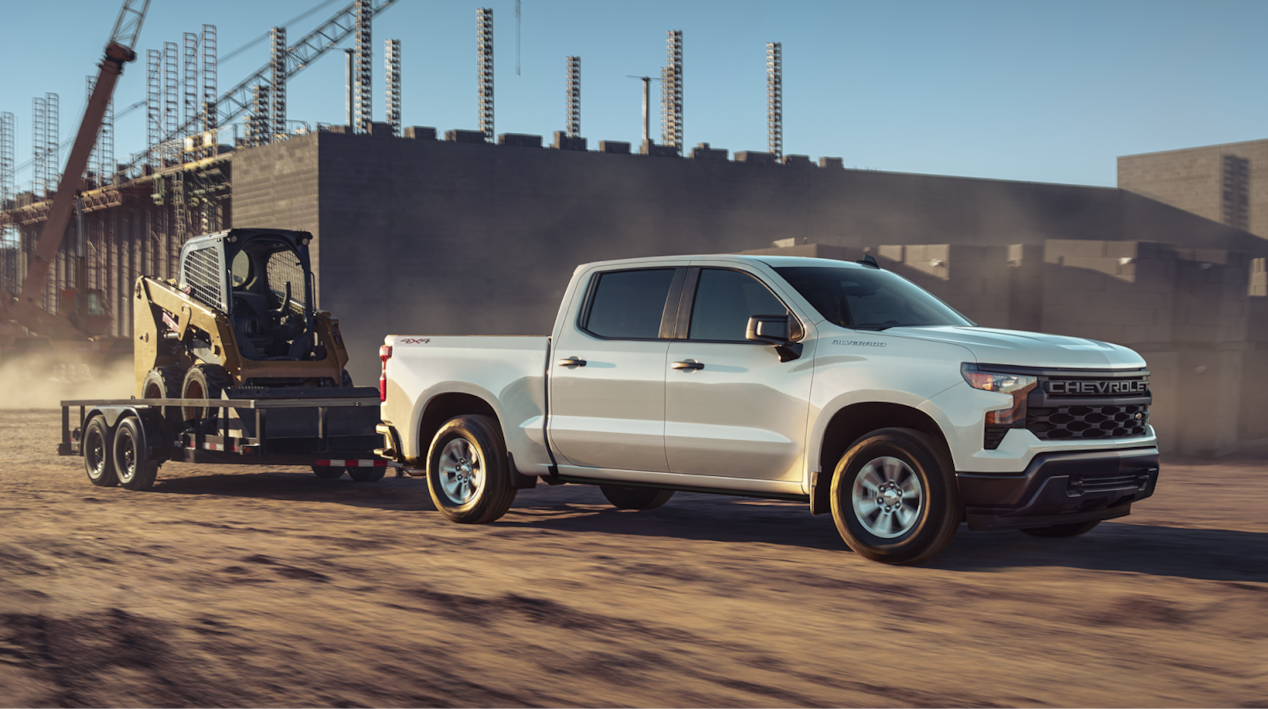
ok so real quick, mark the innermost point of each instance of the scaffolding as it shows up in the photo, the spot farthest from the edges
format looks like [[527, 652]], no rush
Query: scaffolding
[[153, 105], [171, 101], [573, 107], [392, 70], [8, 190], [278, 60], [209, 89], [191, 86], [671, 93], [101, 162], [39, 144], [258, 123], [775, 99], [484, 70], [53, 146], [364, 76]]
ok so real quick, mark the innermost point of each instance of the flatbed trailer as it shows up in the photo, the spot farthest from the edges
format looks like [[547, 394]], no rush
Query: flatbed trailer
[[124, 441]]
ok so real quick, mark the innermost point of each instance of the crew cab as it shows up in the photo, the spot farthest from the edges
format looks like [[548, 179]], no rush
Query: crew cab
[[837, 384]]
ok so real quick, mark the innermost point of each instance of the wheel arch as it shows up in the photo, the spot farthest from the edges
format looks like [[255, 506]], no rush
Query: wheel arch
[[850, 423], [444, 406]]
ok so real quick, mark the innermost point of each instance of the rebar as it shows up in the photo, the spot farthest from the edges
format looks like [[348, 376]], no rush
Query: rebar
[[171, 99], [484, 70], [775, 99], [279, 82], [392, 70], [153, 105], [53, 149], [364, 72], [209, 87], [39, 144], [671, 93], [191, 91], [573, 108]]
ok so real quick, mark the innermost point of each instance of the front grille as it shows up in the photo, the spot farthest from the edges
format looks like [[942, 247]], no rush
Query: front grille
[[1065, 423], [1103, 484]]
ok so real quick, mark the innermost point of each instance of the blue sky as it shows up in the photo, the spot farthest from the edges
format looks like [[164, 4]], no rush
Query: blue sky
[[1035, 91]]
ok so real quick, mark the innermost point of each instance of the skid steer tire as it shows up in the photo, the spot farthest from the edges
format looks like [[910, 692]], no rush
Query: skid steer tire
[[165, 383], [204, 381]]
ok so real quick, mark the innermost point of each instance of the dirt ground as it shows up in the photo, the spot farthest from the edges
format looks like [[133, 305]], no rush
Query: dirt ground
[[270, 587]]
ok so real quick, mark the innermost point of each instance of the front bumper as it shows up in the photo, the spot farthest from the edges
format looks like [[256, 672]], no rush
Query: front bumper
[[1060, 488]]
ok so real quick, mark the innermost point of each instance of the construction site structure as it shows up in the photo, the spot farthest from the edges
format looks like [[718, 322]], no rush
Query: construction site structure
[[392, 82], [139, 212], [573, 106]]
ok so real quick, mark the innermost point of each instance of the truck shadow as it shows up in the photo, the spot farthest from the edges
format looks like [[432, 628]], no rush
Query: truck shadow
[[1206, 554]]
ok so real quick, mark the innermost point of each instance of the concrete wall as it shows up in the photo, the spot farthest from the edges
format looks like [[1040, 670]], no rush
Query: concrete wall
[[1192, 179]]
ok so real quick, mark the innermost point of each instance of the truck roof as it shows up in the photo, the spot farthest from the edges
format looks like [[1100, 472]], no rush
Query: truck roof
[[772, 261]]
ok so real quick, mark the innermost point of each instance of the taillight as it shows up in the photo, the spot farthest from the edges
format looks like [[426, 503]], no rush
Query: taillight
[[385, 353]]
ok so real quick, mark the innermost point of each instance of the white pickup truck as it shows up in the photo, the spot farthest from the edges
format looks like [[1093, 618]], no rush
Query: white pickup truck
[[837, 384]]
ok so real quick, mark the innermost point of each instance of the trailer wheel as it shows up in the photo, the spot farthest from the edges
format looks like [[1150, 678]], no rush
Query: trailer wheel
[[895, 498], [467, 470], [131, 456], [327, 472], [366, 475], [204, 381], [165, 383], [635, 498], [98, 461]]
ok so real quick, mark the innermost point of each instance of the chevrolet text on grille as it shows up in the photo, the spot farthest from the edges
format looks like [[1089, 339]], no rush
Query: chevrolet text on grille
[[1102, 388]]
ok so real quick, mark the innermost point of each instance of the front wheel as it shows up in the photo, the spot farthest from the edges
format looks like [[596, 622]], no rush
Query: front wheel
[[1073, 529], [894, 498], [467, 470]]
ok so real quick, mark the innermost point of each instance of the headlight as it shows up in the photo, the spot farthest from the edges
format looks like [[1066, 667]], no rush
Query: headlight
[[1019, 385]]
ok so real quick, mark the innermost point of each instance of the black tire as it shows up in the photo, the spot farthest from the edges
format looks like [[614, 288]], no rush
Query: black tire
[[635, 498], [204, 381], [467, 470], [1073, 529], [165, 383], [366, 475], [872, 493], [326, 472], [98, 459], [131, 456]]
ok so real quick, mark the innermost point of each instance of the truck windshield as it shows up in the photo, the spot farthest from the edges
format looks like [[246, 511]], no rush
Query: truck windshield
[[867, 299]]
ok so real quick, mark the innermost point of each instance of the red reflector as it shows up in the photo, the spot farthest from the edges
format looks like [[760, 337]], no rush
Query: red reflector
[[385, 353]]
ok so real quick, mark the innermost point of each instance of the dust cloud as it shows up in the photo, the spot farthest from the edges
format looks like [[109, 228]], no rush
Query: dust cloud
[[42, 385]]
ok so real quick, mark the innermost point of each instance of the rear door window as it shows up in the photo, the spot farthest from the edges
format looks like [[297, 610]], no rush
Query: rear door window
[[628, 305]]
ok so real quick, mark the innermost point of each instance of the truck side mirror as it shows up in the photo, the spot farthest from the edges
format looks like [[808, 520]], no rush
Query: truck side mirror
[[774, 330]]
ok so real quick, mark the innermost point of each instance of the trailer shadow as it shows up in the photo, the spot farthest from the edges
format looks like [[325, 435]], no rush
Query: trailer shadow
[[296, 485]]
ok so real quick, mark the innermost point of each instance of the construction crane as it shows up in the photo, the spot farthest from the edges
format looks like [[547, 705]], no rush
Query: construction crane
[[84, 320]]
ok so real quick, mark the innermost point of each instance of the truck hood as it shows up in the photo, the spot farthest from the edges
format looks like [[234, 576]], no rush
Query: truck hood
[[1027, 349]]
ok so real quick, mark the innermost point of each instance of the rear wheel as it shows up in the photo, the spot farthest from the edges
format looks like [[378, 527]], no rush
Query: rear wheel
[[1073, 529], [895, 498], [204, 381], [98, 462], [131, 456], [165, 383], [635, 498], [366, 475], [467, 470]]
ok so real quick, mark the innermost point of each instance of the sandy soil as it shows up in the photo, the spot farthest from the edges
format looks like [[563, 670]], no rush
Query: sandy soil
[[269, 587]]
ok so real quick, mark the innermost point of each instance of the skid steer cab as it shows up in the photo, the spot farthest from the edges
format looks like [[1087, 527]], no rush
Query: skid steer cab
[[239, 322]]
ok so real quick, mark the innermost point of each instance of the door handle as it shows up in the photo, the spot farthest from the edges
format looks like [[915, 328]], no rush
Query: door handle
[[688, 364], [571, 362]]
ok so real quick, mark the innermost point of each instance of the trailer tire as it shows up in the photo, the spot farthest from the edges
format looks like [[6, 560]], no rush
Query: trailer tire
[[132, 457], [327, 472], [467, 471], [635, 498], [366, 475], [204, 381], [98, 456], [165, 383]]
